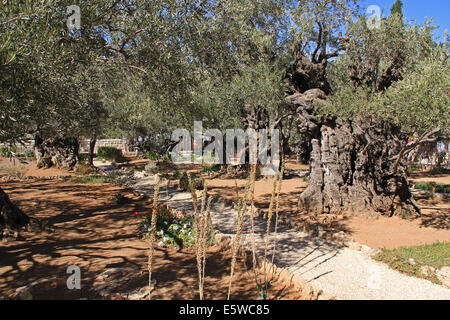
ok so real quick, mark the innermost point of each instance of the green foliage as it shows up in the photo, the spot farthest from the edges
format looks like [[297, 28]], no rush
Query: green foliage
[[42, 88], [83, 157], [5, 151], [439, 170], [434, 187], [416, 95], [110, 154], [397, 8], [168, 63], [435, 255], [91, 179], [414, 169], [210, 168], [177, 174], [152, 155], [173, 228]]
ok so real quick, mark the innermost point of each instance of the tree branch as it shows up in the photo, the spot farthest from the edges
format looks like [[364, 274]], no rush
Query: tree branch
[[425, 138], [319, 42]]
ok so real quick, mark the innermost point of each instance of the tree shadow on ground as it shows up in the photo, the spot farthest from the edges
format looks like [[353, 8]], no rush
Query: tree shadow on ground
[[436, 219], [95, 233]]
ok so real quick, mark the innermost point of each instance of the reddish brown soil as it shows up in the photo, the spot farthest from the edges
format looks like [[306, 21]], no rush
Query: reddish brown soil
[[94, 233], [383, 232]]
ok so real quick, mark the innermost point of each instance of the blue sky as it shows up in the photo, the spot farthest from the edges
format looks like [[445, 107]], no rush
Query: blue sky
[[418, 10]]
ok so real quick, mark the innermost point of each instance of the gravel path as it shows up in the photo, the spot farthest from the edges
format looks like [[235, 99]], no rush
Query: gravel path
[[336, 270]]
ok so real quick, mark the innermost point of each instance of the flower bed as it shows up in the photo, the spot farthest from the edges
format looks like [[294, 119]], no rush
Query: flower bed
[[173, 227]]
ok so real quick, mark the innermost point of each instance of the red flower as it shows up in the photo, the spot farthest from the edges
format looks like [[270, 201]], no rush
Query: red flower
[[136, 213]]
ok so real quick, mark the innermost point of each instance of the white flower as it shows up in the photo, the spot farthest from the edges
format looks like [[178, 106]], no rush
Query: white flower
[[175, 227], [165, 222], [161, 244], [165, 238]]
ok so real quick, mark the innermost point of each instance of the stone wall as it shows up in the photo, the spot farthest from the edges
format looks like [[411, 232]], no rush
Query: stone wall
[[117, 143]]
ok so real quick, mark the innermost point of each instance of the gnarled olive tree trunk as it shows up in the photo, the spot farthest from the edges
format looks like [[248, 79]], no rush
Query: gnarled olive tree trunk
[[352, 167], [11, 217], [58, 152]]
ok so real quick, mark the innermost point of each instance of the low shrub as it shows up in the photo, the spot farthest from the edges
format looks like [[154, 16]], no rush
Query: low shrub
[[210, 168], [93, 179], [443, 188], [110, 154], [152, 155], [83, 157], [414, 169], [439, 170], [433, 187], [426, 186], [29, 153], [5, 152]]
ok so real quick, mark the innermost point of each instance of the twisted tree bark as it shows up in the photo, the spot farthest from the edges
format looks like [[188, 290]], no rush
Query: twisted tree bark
[[11, 217], [350, 168], [58, 152]]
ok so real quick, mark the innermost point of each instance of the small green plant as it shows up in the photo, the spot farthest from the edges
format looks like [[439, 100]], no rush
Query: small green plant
[[6, 152], [152, 155], [93, 179], [28, 153], [262, 290], [173, 228], [426, 186], [177, 174], [110, 154], [210, 168], [443, 188], [414, 169], [166, 157]]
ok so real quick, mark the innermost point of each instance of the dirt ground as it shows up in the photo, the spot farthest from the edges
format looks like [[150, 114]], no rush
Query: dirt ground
[[89, 230], [383, 232]]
